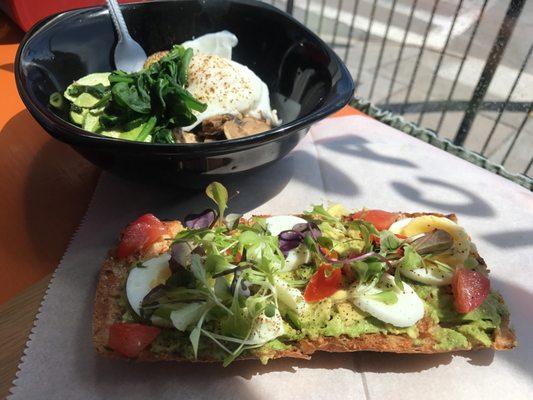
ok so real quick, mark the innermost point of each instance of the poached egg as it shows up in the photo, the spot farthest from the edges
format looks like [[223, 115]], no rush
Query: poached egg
[[226, 86]]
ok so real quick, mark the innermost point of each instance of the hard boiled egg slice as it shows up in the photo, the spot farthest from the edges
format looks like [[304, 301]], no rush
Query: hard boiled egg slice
[[427, 223], [218, 43], [141, 280], [280, 223], [398, 226], [431, 275], [290, 297], [296, 257], [266, 329], [407, 311]]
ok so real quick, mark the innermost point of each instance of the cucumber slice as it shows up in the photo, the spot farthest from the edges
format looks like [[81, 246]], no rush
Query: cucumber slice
[[89, 80], [85, 100], [91, 123], [128, 135], [113, 134], [132, 134], [78, 118]]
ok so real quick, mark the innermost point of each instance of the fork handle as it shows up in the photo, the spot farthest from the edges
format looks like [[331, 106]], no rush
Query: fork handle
[[118, 19]]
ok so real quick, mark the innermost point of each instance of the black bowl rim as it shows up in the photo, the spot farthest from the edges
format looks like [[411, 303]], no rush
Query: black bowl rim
[[49, 119]]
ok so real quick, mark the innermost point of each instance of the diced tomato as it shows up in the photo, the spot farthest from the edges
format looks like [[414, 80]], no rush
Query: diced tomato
[[375, 239], [331, 254], [237, 258], [380, 219], [325, 282], [140, 234], [400, 236], [131, 339], [470, 289]]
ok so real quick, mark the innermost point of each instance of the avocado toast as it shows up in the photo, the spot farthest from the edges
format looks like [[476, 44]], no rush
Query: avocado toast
[[224, 288]]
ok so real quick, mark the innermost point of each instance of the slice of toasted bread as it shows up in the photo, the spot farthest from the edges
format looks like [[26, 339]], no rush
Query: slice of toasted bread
[[108, 310]]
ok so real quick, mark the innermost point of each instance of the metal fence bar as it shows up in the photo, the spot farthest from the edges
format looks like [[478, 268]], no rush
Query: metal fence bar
[[290, 7], [365, 45], [400, 53], [319, 30], [306, 15], [420, 53], [518, 132], [456, 105], [506, 102], [336, 26], [461, 65], [382, 48], [350, 31], [439, 63], [492, 63], [528, 166]]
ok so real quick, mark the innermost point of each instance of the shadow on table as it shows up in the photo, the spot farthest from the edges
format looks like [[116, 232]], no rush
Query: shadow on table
[[357, 146], [55, 184], [474, 204], [247, 191], [510, 239], [9, 67]]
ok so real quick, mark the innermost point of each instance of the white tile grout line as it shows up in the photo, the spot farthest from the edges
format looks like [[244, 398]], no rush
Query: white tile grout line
[[31, 335]]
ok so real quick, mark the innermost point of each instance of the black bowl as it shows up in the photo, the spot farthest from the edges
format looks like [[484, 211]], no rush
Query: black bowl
[[307, 80]]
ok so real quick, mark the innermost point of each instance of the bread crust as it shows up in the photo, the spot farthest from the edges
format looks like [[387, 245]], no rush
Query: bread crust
[[114, 272]]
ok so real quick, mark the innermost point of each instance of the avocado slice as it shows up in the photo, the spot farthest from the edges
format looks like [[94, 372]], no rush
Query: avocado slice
[[85, 100]]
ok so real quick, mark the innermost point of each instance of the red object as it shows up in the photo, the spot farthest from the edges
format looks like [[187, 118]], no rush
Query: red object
[[25, 13], [325, 282], [470, 289], [140, 234], [380, 219], [131, 339]]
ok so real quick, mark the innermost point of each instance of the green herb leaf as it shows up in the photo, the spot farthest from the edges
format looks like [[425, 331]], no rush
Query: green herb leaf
[[198, 271], [219, 194], [471, 263], [388, 297], [186, 315], [215, 263], [320, 211], [388, 241], [398, 279], [434, 242], [411, 259], [270, 310]]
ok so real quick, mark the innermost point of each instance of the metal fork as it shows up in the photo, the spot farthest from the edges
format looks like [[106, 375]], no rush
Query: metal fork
[[129, 55]]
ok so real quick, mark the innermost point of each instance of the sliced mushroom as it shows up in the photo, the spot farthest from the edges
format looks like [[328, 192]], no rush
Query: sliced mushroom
[[214, 125], [246, 126], [154, 58], [184, 137]]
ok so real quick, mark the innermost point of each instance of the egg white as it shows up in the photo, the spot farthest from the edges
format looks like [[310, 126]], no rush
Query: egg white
[[407, 311], [280, 223], [218, 43], [296, 257], [266, 329], [141, 280], [290, 297]]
